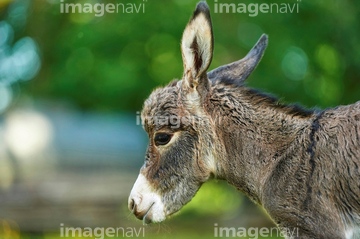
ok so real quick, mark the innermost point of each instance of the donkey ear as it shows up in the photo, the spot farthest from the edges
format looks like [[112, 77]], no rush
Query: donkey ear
[[238, 71], [197, 47]]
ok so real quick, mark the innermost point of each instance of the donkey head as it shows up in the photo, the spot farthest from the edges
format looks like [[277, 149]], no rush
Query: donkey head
[[182, 148]]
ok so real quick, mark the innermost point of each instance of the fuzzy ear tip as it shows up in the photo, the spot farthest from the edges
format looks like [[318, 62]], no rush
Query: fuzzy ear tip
[[264, 39], [261, 45], [202, 7]]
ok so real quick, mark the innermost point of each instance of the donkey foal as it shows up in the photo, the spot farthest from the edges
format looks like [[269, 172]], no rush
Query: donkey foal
[[302, 166]]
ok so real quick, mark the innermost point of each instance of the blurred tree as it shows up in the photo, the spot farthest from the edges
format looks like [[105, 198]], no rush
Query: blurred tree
[[112, 62], [19, 61]]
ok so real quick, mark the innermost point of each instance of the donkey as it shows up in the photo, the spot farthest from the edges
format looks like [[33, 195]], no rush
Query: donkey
[[302, 166]]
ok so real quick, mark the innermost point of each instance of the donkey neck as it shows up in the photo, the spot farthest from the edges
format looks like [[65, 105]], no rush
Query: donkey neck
[[254, 133]]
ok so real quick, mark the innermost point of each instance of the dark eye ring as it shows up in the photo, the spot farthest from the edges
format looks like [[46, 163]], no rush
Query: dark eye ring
[[162, 138]]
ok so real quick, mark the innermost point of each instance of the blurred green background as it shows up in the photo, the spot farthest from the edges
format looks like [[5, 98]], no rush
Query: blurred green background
[[71, 87]]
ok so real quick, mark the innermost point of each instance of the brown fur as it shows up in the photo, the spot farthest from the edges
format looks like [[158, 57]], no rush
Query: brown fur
[[302, 166]]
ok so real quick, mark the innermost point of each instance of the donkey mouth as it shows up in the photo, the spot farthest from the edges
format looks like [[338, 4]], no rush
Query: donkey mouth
[[138, 213], [145, 203], [147, 216], [147, 219]]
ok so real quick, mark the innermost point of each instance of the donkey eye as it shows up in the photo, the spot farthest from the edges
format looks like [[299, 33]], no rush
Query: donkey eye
[[162, 138]]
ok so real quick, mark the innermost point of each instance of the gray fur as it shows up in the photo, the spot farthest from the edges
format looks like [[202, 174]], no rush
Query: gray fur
[[302, 166]]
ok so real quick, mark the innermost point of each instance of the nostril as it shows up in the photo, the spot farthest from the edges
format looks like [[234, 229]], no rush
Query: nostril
[[132, 205]]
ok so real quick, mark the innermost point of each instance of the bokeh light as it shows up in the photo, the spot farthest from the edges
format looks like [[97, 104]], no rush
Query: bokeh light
[[19, 61], [295, 63], [27, 134]]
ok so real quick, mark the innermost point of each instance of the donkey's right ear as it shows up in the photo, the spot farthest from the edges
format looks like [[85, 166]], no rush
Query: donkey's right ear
[[197, 48]]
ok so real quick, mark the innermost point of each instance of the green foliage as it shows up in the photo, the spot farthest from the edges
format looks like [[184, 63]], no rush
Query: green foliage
[[215, 198], [113, 62]]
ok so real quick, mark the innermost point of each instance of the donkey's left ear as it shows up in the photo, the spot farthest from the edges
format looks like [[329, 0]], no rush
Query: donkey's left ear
[[197, 48]]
